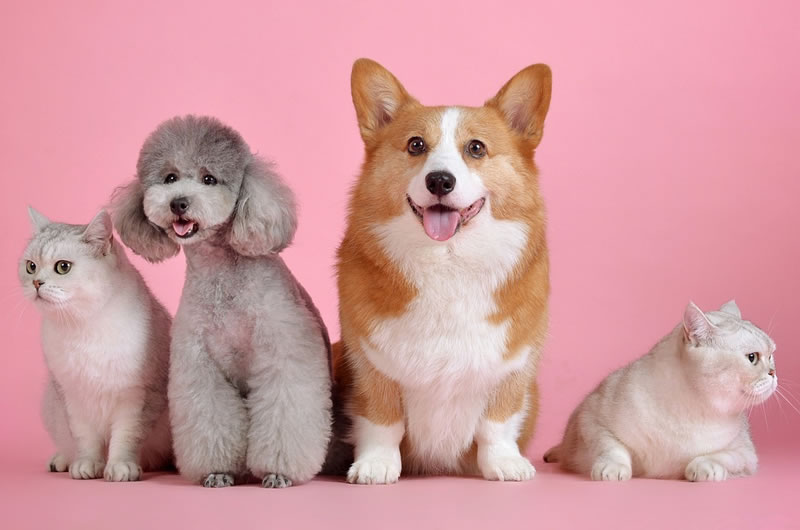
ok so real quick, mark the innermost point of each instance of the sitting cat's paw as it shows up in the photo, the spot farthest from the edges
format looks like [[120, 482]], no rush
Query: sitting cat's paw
[[610, 470], [121, 471], [509, 467], [58, 464], [374, 471], [218, 480], [703, 469], [86, 468], [274, 480]]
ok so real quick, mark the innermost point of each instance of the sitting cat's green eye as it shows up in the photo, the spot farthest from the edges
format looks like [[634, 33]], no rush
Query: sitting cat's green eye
[[753, 358], [30, 267], [63, 266]]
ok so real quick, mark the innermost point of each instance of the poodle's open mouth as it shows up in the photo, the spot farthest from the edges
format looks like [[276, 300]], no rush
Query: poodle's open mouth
[[184, 228], [441, 222]]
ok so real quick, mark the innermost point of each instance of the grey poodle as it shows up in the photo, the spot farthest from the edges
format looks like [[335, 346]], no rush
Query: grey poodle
[[249, 382]]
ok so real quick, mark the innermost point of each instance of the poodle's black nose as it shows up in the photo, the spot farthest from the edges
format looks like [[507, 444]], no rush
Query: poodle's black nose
[[440, 182], [179, 205]]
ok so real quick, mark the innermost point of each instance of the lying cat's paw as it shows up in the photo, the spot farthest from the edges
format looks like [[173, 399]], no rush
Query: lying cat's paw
[[86, 468], [58, 464], [274, 480], [703, 469], [120, 471], [374, 471], [610, 470], [218, 480], [511, 467]]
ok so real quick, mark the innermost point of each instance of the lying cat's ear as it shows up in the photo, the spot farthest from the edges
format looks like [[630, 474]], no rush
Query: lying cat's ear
[[697, 329], [731, 308], [38, 221], [98, 232]]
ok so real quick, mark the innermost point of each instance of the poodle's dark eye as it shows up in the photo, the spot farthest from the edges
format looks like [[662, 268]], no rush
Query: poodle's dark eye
[[172, 177], [476, 149], [30, 267], [753, 358], [210, 180], [416, 146], [63, 266]]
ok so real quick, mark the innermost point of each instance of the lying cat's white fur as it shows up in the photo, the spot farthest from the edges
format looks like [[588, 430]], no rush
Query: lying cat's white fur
[[679, 411], [106, 344]]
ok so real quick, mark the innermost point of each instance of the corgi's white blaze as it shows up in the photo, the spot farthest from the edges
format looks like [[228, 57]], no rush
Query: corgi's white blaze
[[443, 351], [447, 155]]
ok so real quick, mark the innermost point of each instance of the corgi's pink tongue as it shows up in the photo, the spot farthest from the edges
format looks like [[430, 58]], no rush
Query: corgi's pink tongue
[[182, 227], [440, 224]]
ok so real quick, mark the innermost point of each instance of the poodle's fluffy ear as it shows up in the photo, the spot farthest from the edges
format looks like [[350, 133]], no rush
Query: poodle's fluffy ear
[[264, 220], [143, 237]]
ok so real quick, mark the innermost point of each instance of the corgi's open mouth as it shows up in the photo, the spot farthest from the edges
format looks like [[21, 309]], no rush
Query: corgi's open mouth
[[184, 228], [441, 222]]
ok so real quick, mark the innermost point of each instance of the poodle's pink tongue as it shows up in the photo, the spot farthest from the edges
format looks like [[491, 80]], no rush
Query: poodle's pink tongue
[[182, 227], [440, 224]]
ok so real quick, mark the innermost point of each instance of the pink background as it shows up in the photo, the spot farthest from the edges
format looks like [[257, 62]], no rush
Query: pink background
[[669, 164]]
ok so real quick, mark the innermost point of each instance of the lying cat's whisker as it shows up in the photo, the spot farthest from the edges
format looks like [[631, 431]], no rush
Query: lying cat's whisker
[[789, 393], [780, 394]]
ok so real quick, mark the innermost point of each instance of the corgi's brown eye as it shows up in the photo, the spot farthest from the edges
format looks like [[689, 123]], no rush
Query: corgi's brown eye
[[416, 146], [30, 267], [169, 179], [210, 180], [476, 149], [63, 266], [753, 358]]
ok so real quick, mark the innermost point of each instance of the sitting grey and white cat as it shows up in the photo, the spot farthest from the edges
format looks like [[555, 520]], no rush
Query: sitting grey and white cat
[[680, 410], [106, 344]]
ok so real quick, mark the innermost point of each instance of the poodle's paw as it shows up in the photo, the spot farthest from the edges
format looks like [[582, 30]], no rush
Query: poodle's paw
[[604, 469], [374, 470], [703, 469], [275, 480], [58, 464], [86, 468], [218, 480], [514, 468], [122, 471]]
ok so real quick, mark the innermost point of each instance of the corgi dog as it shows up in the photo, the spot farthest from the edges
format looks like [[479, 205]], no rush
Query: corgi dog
[[443, 282]]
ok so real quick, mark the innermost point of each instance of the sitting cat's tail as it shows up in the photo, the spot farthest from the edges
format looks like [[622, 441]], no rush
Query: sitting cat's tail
[[552, 454]]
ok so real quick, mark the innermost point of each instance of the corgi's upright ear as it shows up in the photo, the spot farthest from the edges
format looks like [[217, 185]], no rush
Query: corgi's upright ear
[[524, 101], [377, 96]]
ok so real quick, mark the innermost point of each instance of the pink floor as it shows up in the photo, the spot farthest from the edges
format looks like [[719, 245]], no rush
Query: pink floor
[[33, 498]]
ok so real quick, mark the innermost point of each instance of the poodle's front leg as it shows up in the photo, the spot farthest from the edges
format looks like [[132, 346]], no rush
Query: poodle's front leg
[[290, 409], [209, 418]]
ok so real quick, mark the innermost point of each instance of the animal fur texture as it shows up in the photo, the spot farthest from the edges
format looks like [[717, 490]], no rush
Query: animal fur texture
[[106, 344], [680, 410], [249, 382], [443, 281]]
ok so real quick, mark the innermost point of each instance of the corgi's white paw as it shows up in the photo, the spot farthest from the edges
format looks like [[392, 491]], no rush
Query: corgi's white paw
[[604, 469], [121, 471], [86, 468], [58, 464], [703, 469], [374, 470], [509, 467]]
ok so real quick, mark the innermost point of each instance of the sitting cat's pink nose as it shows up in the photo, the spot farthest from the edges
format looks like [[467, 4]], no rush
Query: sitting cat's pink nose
[[37, 283], [772, 372]]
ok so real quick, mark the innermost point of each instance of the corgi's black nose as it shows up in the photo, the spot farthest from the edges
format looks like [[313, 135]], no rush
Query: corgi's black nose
[[440, 182], [179, 205]]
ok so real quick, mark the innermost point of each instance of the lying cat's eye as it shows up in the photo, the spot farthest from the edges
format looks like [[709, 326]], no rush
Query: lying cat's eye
[[210, 180], [30, 267], [416, 146], [63, 266], [476, 149], [753, 358], [169, 179]]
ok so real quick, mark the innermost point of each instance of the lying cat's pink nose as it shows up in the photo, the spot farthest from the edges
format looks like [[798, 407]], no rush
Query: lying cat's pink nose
[[772, 372]]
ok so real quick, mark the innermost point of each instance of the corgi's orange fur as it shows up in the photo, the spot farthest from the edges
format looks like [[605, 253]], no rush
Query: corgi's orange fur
[[443, 281]]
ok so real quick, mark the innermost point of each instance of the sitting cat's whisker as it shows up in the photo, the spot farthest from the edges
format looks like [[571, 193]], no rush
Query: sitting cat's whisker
[[780, 395]]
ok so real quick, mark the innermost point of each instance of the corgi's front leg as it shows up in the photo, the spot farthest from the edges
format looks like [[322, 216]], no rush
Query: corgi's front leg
[[499, 457], [378, 428]]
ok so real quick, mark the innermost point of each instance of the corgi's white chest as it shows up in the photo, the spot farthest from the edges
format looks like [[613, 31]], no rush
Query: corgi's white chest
[[444, 351]]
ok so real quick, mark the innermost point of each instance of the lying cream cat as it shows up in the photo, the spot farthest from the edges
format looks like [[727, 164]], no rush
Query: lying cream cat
[[679, 411]]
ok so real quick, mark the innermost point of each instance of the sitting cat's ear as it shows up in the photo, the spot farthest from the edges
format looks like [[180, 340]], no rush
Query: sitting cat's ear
[[98, 232], [697, 329], [38, 221], [731, 308]]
